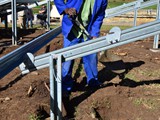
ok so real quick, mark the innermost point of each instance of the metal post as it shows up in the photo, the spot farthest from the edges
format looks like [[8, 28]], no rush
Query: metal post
[[135, 17], [59, 87], [48, 14], [52, 88], [14, 22], [52, 99], [6, 22], [137, 6], [156, 37]]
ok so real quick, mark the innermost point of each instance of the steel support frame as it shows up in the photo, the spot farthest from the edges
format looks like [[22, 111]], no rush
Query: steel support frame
[[134, 6], [128, 8], [55, 63], [99, 44], [16, 57], [115, 38]]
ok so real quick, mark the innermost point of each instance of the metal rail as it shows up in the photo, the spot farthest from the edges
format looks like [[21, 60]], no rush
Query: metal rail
[[99, 44], [24, 54], [16, 57], [115, 38], [139, 4], [135, 6]]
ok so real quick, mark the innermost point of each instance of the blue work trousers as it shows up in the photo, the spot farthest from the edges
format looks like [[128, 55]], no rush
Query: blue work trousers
[[89, 62], [27, 22]]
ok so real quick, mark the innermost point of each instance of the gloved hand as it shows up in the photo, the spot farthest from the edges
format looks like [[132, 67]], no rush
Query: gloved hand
[[70, 11]]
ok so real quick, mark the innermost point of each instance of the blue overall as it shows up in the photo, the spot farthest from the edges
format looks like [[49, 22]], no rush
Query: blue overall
[[89, 61]]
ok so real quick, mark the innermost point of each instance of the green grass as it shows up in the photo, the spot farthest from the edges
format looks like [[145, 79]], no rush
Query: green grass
[[34, 117], [115, 3], [131, 76], [111, 4], [148, 103], [108, 27], [147, 72]]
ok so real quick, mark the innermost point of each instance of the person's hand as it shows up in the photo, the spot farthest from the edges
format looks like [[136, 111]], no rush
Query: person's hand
[[94, 37], [70, 11]]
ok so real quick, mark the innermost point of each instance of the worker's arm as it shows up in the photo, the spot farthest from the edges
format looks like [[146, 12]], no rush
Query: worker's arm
[[95, 28], [63, 9]]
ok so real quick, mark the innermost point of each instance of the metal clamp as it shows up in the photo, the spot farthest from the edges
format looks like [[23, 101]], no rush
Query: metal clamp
[[114, 35], [28, 62], [138, 4]]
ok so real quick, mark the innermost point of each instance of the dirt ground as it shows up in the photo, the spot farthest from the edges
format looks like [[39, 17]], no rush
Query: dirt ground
[[132, 95]]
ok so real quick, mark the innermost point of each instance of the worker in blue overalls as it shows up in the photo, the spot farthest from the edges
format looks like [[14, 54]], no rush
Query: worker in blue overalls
[[90, 13]]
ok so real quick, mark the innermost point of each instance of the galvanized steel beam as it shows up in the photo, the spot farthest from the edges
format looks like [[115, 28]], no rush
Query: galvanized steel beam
[[97, 45], [128, 8], [16, 57], [53, 60]]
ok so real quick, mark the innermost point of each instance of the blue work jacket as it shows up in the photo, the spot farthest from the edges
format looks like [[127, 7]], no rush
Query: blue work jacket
[[95, 20]]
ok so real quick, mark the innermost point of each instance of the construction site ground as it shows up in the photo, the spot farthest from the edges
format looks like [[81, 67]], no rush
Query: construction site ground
[[134, 95]]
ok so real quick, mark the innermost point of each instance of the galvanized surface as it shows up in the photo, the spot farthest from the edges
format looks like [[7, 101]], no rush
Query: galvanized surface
[[99, 44], [16, 57]]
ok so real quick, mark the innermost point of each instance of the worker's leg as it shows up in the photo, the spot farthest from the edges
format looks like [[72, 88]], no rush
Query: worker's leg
[[90, 66], [24, 22], [67, 81], [31, 23], [27, 23], [40, 17], [21, 21]]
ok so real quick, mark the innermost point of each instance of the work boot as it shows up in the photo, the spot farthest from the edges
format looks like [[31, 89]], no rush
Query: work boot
[[112, 62]]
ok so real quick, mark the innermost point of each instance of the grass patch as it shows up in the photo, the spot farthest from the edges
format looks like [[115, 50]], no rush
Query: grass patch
[[131, 76], [34, 117], [115, 3], [101, 103], [149, 73], [108, 27], [153, 86], [147, 103]]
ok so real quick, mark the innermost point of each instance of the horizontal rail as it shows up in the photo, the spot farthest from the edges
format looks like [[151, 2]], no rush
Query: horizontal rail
[[26, 1], [97, 45], [16, 57], [125, 5], [128, 8], [4, 2]]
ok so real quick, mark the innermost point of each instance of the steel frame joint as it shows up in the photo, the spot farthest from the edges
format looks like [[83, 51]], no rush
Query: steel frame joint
[[114, 35]]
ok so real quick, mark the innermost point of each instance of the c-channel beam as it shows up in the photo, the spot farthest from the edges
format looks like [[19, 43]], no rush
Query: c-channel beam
[[26, 1], [128, 8], [4, 2], [127, 36], [37, 4], [97, 45], [16, 57]]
